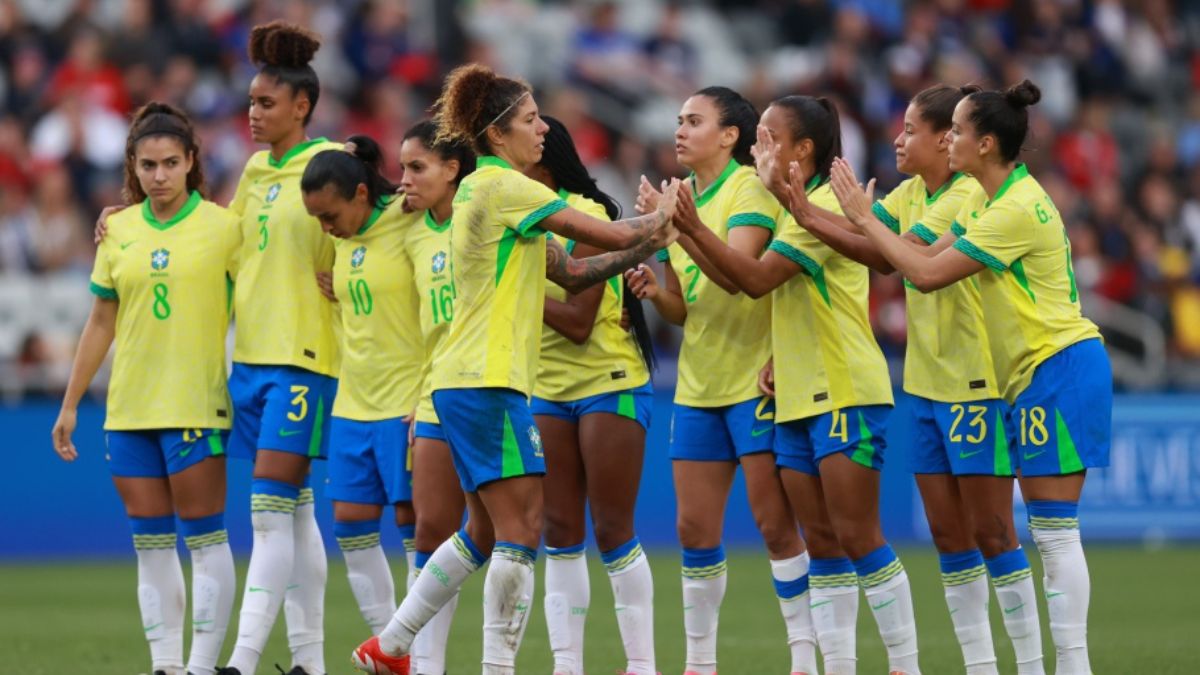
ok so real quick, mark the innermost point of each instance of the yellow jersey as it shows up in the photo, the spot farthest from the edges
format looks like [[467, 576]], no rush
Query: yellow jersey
[[172, 282], [947, 358], [726, 338], [382, 346], [1031, 303], [826, 357], [610, 360], [499, 255], [282, 318], [428, 243]]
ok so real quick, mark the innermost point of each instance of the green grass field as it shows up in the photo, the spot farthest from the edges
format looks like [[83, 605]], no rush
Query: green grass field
[[83, 618]]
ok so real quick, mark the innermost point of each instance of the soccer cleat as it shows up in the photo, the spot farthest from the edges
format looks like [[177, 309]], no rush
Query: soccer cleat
[[228, 671], [369, 658], [296, 670]]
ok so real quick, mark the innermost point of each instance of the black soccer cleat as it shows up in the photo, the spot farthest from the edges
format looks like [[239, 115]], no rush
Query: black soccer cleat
[[228, 671], [296, 670]]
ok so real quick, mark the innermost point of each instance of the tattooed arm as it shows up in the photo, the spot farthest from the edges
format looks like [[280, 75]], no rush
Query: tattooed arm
[[577, 274], [575, 317], [614, 236]]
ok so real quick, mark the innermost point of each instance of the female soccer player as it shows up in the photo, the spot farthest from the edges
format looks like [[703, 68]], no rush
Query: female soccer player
[[484, 371], [592, 402], [832, 388], [959, 454], [721, 420], [161, 284], [1050, 364]]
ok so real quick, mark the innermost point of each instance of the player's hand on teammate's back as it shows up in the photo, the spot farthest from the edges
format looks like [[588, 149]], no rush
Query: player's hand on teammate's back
[[325, 283], [642, 282], [766, 378], [102, 223], [64, 426]]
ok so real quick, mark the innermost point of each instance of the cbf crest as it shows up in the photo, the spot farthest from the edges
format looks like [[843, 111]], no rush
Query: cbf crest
[[273, 192], [159, 259], [358, 256], [439, 262], [535, 439]]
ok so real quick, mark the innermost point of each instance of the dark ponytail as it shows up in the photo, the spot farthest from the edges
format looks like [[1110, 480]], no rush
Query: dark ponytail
[[815, 119], [562, 160], [447, 149], [1003, 114], [346, 170], [936, 105], [735, 111]]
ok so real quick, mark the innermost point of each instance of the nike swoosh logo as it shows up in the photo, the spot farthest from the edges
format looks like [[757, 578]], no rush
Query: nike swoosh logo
[[152, 627], [1029, 456], [964, 455], [1010, 610], [954, 610], [285, 433], [1053, 594], [755, 433], [256, 589], [127, 245], [184, 453], [687, 607], [883, 604], [818, 604]]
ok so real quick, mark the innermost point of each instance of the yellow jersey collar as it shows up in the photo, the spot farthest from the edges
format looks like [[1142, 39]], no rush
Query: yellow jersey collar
[[375, 213], [433, 224], [931, 198], [295, 150], [184, 211], [1019, 172], [492, 160], [711, 190]]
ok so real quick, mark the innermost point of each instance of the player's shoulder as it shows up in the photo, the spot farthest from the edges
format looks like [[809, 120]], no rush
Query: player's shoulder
[[586, 205], [744, 180], [824, 197]]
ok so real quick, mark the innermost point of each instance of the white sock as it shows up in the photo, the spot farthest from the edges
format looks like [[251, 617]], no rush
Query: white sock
[[431, 641], [214, 584], [449, 566], [162, 596], [368, 572], [304, 602], [633, 595], [885, 583], [834, 606], [507, 596], [272, 509], [791, 587], [704, 582], [1067, 585], [964, 579], [568, 595], [1013, 581]]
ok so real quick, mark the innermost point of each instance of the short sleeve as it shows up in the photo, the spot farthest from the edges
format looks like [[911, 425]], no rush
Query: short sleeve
[[233, 259], [1001, 236], [800, 246], [662, 256], [753, 205], [102, 284], [941, 217], [524, 203], [887, 210], [238, 205]]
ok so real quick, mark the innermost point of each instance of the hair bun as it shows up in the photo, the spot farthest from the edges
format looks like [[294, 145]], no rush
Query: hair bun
[[283, 45], [1023, 94], [367, 150]]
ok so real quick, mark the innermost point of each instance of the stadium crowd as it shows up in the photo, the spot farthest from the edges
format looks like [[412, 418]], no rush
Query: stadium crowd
[[1116, 140]]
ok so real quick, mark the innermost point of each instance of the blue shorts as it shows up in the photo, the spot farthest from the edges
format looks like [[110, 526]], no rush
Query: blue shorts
[[158, 453], [491, 434], [369, 462], [859, 432], [1062, 423], [722, 434], [429, 430], [280, 408], [964, 439], [635, 404]]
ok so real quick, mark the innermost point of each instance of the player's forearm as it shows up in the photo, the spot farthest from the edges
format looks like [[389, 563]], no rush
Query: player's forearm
[[578, 274], [740, 269], [614, 236], [570, 320], [670, 306], [855, 246], [706, 266], [97, 337], [917, 268]]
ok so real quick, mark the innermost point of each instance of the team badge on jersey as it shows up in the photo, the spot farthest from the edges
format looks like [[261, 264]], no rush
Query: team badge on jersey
[[358, 256], [160, 258], [273, 192], [535, 439], [439, 262]]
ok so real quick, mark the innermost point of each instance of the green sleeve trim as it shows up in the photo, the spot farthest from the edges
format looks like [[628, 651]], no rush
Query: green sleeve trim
[[957, 229], [528, 225], [884, 217], [926, 235], [102, 292], [662, 256], [797, 256], [980, 255], [755, 219]]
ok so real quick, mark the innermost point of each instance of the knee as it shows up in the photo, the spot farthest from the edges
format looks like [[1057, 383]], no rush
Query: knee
[[995, 537], [779, 535], [563, 530], [696, 533], [949, 538], [612, 532], [822, 542], [434, 528], [859, 539]]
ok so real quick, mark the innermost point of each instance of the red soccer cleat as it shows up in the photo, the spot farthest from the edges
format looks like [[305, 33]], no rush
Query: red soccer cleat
[[369, 658]]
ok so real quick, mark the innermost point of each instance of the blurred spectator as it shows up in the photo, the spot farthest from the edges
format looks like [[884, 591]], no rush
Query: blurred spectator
[[86, 75]]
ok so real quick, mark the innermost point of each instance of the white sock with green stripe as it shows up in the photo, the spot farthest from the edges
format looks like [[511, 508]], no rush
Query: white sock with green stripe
[[633, 595], [162, 596], [704, 582], [1013, 581], [964, 577], [214, 583], [449, 566], [1055, 529], [886, 584], [304, 601], [791, 587], [507, 596], [272, 514], [429, 647], [834, 605], [367, 570], [568, 595]]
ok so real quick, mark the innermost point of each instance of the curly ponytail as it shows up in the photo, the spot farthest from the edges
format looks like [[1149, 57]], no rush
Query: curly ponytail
[[284, 51], [155, 120], [473, 99]]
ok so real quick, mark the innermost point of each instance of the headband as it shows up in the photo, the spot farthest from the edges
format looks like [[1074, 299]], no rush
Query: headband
[[162, 123], [502, 113]]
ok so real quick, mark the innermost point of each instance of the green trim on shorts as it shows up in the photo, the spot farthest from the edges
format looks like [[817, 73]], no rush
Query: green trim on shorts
[[511, 463]]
